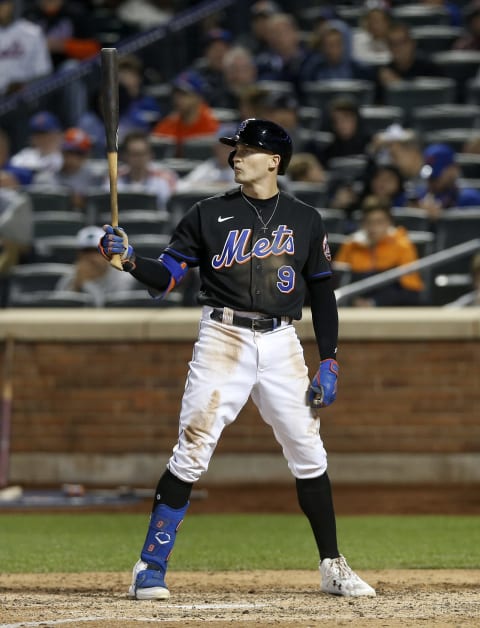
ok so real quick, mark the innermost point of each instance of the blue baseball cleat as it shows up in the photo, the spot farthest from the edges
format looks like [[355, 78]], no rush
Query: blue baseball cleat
[[147, 583]]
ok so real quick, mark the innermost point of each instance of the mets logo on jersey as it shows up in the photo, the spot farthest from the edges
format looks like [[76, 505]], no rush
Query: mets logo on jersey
[[236, 249]]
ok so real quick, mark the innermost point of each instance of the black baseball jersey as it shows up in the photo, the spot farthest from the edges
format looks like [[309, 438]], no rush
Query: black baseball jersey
[[246, 267]]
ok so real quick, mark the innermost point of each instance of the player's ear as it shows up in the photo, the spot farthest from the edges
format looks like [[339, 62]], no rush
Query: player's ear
[[274, 161]]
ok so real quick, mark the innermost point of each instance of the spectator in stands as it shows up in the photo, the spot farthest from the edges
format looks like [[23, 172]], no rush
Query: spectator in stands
[[239, 76], [191, 116], [24, 54], [401, 148], [376, 247], [344, 122], [210, 66], [471, 298], [44, 152], [282, 108], [385, 183], [406, 64], [287, 57], [332, 58], [76, 175], [443, 190], [91, 273], [216, 171], [470, 40], [369, 43], [137, 111], [305, 167], [67, 28], [257, 39], [16, 230], [452, 9], [138, 172]]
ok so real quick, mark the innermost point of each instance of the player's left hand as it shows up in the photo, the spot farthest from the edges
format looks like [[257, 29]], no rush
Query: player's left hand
[[323, 389]]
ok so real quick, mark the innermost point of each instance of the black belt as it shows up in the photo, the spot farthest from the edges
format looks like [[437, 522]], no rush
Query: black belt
[[255, 324]]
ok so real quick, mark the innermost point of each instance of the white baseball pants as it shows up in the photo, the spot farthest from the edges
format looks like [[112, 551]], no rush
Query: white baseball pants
[[229, 364]]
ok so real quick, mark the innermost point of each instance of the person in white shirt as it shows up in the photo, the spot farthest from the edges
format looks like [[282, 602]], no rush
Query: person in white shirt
[[369, 42], [44, 152], [91, 274], [24, 54]]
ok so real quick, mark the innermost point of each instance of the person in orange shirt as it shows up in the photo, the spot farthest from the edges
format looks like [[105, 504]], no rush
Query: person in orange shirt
[[376, 247], [191, 115]]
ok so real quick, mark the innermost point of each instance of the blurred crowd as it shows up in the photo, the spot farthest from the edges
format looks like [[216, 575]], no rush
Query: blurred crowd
[[382, 100]]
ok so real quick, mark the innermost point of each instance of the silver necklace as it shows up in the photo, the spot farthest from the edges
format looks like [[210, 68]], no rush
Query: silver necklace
[[259, 216]]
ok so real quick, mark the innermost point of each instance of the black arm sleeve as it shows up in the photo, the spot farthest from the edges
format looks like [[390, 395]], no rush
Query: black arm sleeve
[[324, 317], [152, 273]]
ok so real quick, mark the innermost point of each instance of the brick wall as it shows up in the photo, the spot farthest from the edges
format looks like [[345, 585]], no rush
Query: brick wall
[[106, 414], [394, 396]]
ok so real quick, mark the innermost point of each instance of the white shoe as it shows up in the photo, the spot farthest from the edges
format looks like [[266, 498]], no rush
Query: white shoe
[[149, 586], [339, 579]]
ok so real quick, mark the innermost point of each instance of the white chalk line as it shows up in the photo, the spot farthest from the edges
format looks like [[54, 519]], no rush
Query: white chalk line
[[183, 607]]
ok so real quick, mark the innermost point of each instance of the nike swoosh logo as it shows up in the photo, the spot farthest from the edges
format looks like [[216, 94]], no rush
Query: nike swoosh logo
[[220, 219]]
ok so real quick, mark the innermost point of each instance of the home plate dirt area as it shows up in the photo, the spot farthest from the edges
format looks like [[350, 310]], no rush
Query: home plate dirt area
[[256, 598], [405, 598]]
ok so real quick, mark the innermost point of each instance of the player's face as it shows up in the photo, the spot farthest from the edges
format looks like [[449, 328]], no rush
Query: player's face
[[253, 164]]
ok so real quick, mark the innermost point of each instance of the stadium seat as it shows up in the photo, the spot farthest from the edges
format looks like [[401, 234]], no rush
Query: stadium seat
[[469, 164], [305, 138], [52, 299], [311, 193], [200, 148], [162, 92], [310, 118], [141, 298], [137, 221], [57, 223], [333, 219], [163, 147], [472, 91], [180, 165], [426, 91], [376, 118], [455, 138], [424, 242], [335, 240], [320, 93], [49, 200], [420, 15], [348, 13], [148, 245], [99, 202], [454, 227], [459, 65], [448, 288], [56, 249], [180, 202], [411, 218], [435, 38], [351, 167], [454, 116], [29, 278]]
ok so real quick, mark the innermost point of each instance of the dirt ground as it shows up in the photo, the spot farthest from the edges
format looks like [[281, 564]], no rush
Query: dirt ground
[[258, 598], [286, 599]]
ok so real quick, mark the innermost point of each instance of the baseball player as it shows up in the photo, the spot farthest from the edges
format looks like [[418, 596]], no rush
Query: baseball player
[[257, 249]]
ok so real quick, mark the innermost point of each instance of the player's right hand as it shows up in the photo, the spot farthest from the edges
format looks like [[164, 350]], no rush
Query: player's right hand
[[115, 242]]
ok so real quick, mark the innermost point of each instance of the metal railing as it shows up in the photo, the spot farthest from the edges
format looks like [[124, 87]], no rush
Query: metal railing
[[429, 261]]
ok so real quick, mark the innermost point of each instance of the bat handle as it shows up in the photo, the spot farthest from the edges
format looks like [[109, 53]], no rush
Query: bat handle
[[113, 174]]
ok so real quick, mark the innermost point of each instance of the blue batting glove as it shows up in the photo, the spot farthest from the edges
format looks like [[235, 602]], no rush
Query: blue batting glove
[[323, 389], [115, 242]]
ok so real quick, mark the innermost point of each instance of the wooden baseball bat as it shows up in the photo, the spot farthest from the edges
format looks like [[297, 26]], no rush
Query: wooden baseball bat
[[5, 419], [109, 90]]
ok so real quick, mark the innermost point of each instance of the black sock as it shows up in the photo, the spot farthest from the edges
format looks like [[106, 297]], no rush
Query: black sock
[[315, 499], [172, 491]]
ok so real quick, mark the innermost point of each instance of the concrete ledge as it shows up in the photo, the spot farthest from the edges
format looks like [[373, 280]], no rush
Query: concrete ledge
[[145, 469], [75, 325]]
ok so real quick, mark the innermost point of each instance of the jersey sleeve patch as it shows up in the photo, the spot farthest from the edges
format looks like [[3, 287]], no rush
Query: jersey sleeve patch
[[326, 249]]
